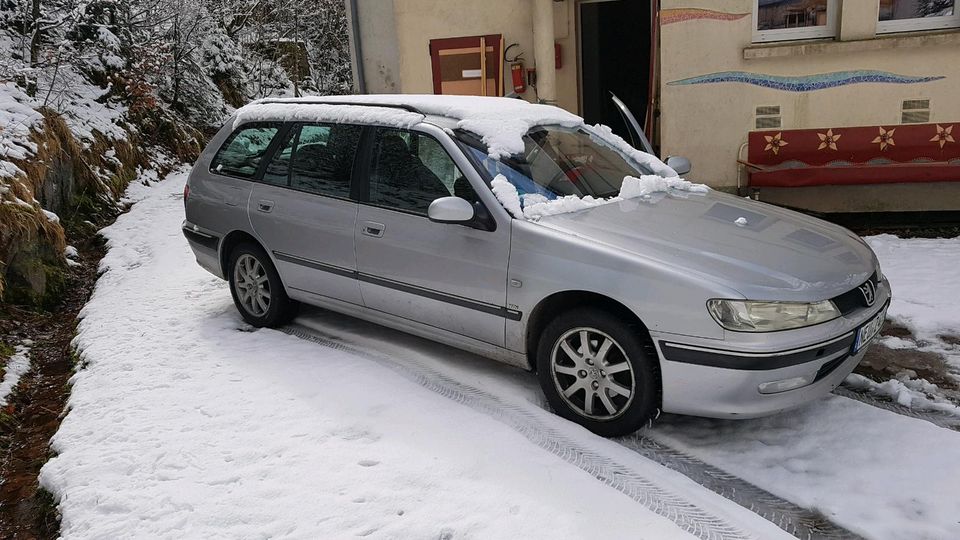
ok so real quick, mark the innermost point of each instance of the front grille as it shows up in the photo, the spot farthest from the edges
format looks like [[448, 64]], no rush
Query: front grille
[[852, 299]]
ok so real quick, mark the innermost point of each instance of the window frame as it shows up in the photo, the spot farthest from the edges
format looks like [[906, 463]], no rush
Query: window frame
[[916, 24], [267, 153], [829, 30]]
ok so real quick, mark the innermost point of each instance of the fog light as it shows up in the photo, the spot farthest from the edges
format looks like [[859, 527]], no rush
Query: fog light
[[775, 387]]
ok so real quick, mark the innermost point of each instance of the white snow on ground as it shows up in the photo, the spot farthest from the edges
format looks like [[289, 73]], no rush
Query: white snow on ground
[[925, 279], [925, 276], [877, 473], [16, 119], [185, 423], [907, 391], [16, 366], [536, 206]]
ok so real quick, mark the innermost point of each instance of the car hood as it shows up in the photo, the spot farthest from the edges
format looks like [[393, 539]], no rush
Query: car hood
[[762, 251]]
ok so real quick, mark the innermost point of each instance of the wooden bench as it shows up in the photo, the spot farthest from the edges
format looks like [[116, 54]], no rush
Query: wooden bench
[[854, 155]]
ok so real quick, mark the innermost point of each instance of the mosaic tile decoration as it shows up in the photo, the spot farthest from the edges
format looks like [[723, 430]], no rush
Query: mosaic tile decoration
[[806, 83], [675, 15]]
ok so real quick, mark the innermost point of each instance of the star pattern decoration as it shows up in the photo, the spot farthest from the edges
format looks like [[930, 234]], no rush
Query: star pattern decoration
[[829, 140], [885, 139], [943, 135], [774, 142]]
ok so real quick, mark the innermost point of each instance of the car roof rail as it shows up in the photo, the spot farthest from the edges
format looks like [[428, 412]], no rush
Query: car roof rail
[[408, 108]]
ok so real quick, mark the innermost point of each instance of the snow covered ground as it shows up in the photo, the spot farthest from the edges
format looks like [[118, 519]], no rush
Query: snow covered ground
[[16, 366], [184, 422], [925, 278]]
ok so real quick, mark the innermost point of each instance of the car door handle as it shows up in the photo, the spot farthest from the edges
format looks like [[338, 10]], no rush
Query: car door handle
[[373, 229], [265, 206]]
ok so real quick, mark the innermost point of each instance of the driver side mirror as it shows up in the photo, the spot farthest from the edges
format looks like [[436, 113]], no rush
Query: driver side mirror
[[451, 210], [680, 164]]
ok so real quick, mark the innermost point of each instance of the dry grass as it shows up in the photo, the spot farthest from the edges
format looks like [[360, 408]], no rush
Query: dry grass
[[23, 228], [98, 181]]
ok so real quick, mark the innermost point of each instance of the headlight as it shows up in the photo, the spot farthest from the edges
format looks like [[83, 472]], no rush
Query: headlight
[[750, 316], [879, 273]]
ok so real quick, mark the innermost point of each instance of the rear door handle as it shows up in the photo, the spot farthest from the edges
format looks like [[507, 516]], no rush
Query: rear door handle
[[373, 229], [265, 206]]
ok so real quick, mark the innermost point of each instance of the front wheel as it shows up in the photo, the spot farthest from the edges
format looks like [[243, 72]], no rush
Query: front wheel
[[256, 288], [594, 371]]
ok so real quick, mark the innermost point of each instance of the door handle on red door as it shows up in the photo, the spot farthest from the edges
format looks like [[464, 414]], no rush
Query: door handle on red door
[[373, 229], [265, 206]]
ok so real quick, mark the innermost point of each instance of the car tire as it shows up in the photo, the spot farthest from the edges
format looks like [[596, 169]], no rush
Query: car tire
[[256, 288], [590, 388]]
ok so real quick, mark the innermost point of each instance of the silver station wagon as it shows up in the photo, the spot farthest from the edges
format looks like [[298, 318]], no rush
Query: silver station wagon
[[518, 232]]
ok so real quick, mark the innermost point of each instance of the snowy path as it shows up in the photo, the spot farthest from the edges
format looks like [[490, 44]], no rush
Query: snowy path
[[184, 423]]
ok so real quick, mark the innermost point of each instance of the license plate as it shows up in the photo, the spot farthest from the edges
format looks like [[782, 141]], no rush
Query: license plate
[[867, 332]]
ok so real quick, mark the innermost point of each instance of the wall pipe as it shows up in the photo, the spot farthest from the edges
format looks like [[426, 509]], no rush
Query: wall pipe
[[357, 48]]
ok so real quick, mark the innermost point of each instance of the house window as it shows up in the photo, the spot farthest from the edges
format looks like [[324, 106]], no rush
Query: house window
[[780, 20], [911, 15]]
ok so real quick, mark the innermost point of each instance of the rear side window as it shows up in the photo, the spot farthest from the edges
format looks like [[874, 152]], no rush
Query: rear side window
[[316, 159], [241, 154]]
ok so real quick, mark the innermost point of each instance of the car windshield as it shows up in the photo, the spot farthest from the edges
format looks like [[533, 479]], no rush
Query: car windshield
[[558, 161]]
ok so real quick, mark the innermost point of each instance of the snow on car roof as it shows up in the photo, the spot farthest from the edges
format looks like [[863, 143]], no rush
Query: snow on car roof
[[261, 111], [500, 122]]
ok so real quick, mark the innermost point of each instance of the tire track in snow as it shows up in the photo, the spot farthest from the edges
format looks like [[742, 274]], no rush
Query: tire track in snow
[[936, 418], [664, 502], [796, 520], [793, 519]]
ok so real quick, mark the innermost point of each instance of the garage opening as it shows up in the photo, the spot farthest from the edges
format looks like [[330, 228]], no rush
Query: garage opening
[[614, 57]]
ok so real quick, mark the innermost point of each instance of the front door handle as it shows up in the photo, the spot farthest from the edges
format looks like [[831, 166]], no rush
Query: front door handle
[[265, 206], [373, 229]]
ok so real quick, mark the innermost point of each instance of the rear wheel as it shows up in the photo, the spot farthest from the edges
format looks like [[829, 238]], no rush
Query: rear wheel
[[594, 371], [256, 288]]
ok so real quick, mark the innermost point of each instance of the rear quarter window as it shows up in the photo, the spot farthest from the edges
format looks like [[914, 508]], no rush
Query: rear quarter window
[[243, 151]]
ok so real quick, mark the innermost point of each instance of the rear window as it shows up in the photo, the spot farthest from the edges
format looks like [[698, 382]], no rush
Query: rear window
[[241, 154]]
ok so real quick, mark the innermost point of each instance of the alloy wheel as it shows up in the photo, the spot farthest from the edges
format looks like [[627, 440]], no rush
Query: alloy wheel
[[592, 373], [252, 285]]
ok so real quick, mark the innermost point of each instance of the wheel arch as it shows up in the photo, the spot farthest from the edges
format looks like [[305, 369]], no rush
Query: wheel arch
[[230, 241], [559, 302]]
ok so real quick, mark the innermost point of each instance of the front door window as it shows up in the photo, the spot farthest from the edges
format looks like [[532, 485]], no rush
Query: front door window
[[411, 170]]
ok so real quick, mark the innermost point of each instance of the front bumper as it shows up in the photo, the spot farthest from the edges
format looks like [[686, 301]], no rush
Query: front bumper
[[712, 378]]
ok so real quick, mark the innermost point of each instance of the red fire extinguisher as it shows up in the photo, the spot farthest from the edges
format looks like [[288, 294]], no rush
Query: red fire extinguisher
[[516, 70]]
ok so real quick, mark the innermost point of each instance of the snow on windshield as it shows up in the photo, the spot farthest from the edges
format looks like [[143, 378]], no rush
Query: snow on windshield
[[535, 206]]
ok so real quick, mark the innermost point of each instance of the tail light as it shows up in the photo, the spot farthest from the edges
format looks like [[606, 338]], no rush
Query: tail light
[[186, 193]]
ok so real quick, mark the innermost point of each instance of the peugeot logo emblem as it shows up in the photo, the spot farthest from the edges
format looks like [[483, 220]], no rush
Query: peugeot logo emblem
[[869, 292]]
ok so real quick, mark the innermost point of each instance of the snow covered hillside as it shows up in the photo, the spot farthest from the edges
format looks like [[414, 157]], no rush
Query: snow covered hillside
[[93, 93], [185, 422]]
